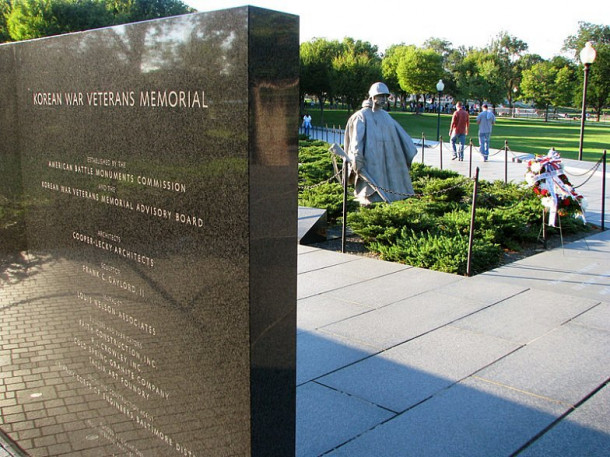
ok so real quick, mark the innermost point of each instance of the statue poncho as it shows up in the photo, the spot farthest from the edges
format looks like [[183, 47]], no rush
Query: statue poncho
[[380, 146]]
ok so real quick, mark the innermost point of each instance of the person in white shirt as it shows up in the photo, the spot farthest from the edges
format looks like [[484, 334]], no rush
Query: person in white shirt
[[486, 120]]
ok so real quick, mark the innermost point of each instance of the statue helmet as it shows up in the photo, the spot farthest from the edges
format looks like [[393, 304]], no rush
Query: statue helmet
[[378, 89]]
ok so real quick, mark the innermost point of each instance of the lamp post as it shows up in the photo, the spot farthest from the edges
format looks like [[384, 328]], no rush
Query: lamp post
[[439, 87], [587, 56], [515, 89]]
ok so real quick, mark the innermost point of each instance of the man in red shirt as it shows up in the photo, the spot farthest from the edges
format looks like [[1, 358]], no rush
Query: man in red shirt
[[458, 130]]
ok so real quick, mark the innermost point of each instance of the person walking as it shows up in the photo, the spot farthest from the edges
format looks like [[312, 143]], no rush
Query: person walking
[[458, 130], [307, 123], [486, 120]]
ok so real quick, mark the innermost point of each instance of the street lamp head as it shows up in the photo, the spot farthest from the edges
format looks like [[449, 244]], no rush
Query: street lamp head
[[440, 85], [587, 54]]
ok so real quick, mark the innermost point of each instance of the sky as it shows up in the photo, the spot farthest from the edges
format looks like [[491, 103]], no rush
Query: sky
[[542, 24]]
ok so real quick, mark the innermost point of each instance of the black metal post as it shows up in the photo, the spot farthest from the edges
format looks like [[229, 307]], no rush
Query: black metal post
[[423, 143], [470, 161], [472, 218], [505, 161], [440, 144], [344, 222], [603, 188], [544, 233], [584, 109]]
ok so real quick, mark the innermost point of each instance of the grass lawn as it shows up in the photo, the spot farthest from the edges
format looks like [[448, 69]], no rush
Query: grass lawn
[[524, 135]]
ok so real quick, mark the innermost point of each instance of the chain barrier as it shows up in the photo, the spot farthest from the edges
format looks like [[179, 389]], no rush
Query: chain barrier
[[321, 183], [442, 191], [592, 171], [514, 205]]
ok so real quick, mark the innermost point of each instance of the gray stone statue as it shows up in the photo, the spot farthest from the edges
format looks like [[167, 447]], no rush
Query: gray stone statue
[[379, 151]]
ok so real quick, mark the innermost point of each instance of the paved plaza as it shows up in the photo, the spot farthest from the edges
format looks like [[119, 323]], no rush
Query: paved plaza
[[401, 361]]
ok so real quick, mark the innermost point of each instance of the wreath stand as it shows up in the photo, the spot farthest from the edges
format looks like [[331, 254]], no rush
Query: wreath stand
[[544, 230]]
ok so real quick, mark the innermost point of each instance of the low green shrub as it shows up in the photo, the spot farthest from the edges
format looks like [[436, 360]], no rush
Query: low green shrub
[[382, 222], [432, 229], [440, 251]]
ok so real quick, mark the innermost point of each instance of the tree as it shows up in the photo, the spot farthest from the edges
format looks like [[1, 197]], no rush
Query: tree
[[316, 68], [479, 76], [30, 19], [419, 70], [440, 46], [354, 70], [354, 74], [27, 19], [537, 84], [389, 70], [549, 83], [5, 8], [566, 79], [509, 51]]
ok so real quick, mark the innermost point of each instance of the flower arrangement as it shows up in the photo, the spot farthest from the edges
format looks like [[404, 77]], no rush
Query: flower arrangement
[[546, 176]]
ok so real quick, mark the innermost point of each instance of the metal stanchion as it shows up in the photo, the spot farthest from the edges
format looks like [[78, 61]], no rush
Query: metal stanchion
[[544, 233], [505, 161], [603, 187], [472, 217], [423, 143], [344, 222], [470, 160], [440, 145]]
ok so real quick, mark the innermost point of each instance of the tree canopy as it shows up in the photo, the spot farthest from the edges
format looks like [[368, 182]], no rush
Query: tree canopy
[[496, 74], [28, 19]]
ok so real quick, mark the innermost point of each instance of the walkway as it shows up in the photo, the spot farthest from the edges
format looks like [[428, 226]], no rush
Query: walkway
[[401, 361]]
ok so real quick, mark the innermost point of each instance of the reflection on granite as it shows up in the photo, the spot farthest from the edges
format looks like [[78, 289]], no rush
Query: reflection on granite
[[149, 284]]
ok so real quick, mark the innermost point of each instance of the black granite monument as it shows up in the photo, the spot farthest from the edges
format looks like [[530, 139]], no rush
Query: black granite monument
[[148, 238]]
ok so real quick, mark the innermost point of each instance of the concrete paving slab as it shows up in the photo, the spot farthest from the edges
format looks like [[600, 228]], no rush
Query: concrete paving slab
[[394, 287], [327, 271], [581, 268], [316, 282], [322, 310], [328, 418], [472, 418], [580, 433], [407, 374], [597, 317], [565, 365], [526, 316], [317, 259], [479, 288], [581, 277], [304, 249], [595, 246], [399, 322], [318, 354], [365, 268]]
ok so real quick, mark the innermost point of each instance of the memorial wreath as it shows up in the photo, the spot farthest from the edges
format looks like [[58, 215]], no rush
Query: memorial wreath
[[546, 176]]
